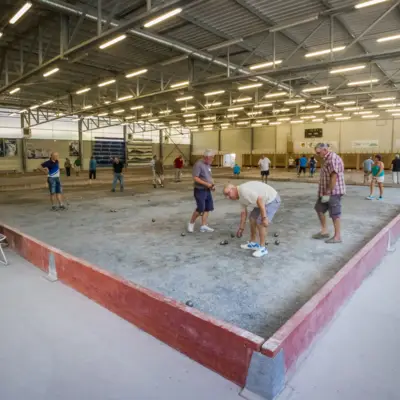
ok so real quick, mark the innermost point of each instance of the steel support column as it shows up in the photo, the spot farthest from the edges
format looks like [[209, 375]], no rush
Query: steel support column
[[160, 148], [80, 138], [251, 146], [23, 144]]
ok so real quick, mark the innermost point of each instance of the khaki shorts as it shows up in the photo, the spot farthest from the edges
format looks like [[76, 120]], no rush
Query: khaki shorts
[[270, 209], [334, 206]]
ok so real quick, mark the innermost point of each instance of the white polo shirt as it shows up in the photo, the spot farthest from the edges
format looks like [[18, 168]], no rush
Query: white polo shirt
[[249, 192], [264, 164]]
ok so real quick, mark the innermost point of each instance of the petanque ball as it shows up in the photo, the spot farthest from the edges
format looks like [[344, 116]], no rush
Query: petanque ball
[[277, 242], [232, 235], [183, 234], [189, 303], [276, 234], [266, 243], [224, 242], [153, 220]]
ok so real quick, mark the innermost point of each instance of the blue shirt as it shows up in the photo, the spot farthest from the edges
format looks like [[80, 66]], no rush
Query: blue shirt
[[303, 162], [236, 169], [92, 165], [53, 167], [368, 165]]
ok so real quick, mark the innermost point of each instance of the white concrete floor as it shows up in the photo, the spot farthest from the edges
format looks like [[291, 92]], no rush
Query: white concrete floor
[[55, 344], [358, 356]]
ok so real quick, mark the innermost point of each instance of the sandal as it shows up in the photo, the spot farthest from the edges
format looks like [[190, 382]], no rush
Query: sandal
[[320, 236], [333, 241]]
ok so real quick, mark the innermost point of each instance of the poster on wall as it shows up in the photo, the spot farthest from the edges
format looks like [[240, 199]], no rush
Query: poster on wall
[[73, 148], [36, 153], [310, 145], [10, 147], [313, 133], [365, 144]]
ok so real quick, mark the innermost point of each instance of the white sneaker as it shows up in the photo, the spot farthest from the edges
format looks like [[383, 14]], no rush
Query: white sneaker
[[190, 227], [250, 246], [261, 252], [206, 228]]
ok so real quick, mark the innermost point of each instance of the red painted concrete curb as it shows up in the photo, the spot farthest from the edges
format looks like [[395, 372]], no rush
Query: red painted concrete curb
[[296, 335], [222, 347]]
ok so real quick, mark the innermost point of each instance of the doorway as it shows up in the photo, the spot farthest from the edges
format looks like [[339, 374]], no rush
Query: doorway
[[229, 160]]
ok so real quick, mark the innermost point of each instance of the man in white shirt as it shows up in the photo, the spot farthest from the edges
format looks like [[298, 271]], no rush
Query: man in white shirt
[[264, 164], [262, 201], [153, 170]]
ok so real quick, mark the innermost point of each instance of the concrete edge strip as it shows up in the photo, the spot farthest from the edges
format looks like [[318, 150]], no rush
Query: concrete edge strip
[[220, 346]]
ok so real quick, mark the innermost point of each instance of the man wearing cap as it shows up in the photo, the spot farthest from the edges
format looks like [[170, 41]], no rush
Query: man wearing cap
[[203, 188]]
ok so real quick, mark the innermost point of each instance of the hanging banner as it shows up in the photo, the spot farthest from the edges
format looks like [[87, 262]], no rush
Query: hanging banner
[[365, 144]]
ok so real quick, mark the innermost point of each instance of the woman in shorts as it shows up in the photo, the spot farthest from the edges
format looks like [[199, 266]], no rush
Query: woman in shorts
[[378, 176]]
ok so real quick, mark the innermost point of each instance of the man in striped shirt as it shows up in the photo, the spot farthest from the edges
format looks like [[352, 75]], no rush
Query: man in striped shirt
[[52, 168], [331, 189]]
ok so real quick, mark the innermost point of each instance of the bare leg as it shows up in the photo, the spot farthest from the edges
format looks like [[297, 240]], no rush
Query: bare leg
[[53, 199], [253, 230], [204, 219], [262, 230], [372, 188], [336, 224], [194, 217], [322, 220], [380, 185], [59, 199]]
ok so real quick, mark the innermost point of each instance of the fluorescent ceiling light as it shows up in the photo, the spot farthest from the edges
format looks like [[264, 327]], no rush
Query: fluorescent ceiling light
[[388, 105], [105, 83], [368, 3], [232, 115], [188, 108], [51, 72], [393, 110], [243, 99], [46, 103], [83, 91], [353, 108], [275, 94], [236, 109], [318, 120], [22, 111], [366, 82], [136, 73], [146, 115], [34, 107], [395, 115], [388, 38], [275, 123], [188, 115], [130, 117], [210, 118], [334, 115], [112, 41], [184, 98], [208, 126], [107, 102], [277, 28], [342, 118], [315, 89], [242, 123], [256, 125], [103, 114], [87, 107], [282, 110], [297, 122], [308, 117], [119, 111], [20, 12], [253, 113], [263, 121], [137, 107], [311, 107], [222, 45], [129, 96], [328, 97], [296, 101], [191, 120], [362, 113], [207, 129], [15, 90], [252, 86], [163, 17], [213, 104], [1, 34], [345, 103], [153, 120], [347, 69], [323, 52], [214, 93], [263, 105], [378, 100], [371, 116], [164, 112], [265, 65], [179, 84], [283, 119]]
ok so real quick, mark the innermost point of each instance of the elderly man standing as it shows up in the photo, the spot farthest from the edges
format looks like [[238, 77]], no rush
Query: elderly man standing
[[264, 164], [332, 187], [263, 202], [52, 168], [203, 186]]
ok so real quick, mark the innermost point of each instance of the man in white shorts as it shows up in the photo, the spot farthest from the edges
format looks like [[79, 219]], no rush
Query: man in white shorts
[[262, 201], [264, 164]]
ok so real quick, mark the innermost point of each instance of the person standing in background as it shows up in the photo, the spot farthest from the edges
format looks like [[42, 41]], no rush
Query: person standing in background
[[297, 163], [264, 164], [378, 176], [313, 166], [159, 171], [396, 170], [178, 164], [67, 166], [303, 165], [77, 165], [118, 168], [367, 165], [236, 171], [92, 169], [153, 170]]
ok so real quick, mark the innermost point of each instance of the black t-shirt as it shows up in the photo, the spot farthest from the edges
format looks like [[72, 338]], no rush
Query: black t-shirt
[[118, 167], [396, 165]]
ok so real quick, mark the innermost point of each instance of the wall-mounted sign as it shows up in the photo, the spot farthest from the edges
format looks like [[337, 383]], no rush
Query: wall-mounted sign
[[365, 144], [313, 133]]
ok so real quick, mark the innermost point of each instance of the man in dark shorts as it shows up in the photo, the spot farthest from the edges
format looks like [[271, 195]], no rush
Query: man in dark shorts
[[331, 189], [264, 163], [118, 168], [52, 168], [203, 186]]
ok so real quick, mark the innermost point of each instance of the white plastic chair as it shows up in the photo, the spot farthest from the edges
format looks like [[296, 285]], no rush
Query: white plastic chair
[[4, 260]]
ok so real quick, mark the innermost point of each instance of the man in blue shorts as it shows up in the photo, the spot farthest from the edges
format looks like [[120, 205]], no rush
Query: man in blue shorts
[[52, 169], [203, 186]]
